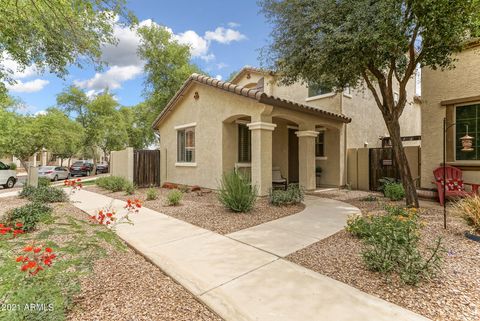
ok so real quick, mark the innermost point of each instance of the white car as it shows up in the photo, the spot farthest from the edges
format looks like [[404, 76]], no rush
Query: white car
[[8, 177], [53, 173]]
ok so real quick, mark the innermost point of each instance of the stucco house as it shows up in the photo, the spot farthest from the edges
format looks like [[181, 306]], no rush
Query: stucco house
[[454, 94], [253, 124]]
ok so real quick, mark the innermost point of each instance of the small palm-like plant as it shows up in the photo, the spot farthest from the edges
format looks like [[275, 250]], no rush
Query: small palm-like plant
[[236, 192]]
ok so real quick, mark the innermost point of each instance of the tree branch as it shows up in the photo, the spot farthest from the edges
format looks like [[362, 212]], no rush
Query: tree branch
[[374, 92]]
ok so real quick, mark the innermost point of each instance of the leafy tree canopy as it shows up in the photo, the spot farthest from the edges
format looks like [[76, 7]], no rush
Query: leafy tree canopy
[[378, 43], [53, 34]]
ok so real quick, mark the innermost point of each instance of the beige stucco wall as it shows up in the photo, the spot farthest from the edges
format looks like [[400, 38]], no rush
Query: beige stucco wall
[[121, 163], [367, 121], [461, 82], [214, 115]]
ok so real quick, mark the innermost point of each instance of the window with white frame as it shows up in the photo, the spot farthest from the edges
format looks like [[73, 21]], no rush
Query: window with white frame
[[186, 145], [320, 144], [244, 144], [318, 90]]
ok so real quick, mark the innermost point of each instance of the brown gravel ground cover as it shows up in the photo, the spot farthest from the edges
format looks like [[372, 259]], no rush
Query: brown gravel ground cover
[[454, 294], [9, 203], [206, 211], [121, 285]]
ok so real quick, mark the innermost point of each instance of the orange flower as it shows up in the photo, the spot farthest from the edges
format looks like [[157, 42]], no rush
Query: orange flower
[[19, 259], [36, 250], [48, 250], [28, 249], [19, 224]]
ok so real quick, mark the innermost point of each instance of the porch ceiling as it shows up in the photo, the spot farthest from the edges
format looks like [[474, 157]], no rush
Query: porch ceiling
[[251, 93]]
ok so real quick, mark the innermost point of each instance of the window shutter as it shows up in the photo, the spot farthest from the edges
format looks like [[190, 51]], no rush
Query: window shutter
[[244, 144]]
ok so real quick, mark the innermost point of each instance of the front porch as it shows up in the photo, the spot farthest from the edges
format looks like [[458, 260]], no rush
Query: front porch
[[294, 143]]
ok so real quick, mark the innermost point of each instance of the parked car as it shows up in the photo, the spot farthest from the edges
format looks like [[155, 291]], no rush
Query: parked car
[[53, 173], [102, 168], [8, 177], [82, 168]]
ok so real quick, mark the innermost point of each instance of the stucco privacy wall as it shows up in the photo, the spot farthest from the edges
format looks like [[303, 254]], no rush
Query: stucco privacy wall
[[121, 163], [213, 115], [358, 165], [461, 82]]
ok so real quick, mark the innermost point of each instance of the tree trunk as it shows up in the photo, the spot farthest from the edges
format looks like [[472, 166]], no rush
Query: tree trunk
[[402, 163], [24, 164]]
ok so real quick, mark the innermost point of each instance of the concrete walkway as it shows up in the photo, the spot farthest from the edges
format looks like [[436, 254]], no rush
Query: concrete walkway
[[242, 282], [321, 218]]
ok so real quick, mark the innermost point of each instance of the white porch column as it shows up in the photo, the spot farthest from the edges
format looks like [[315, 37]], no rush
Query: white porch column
[[44, 158], [262, 155], [306, 158]]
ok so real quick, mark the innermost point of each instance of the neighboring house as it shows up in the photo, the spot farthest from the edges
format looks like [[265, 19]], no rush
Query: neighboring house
[[254, 125], [454, 94]]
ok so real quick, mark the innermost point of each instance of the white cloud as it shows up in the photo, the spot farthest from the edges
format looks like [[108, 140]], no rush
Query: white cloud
[[221, 65], [40, 113], [198, 45], [224, 36], [125, 64], [28, 86], [233, 24], [218, 77], [112, 78], [12, 67]]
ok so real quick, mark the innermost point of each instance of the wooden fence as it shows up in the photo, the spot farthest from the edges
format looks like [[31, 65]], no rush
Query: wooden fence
[[146, 168]]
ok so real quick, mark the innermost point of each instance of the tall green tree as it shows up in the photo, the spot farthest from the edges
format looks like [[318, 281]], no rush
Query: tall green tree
[[74, 102], [54, 34], [64, 137], [138, 121], [167, 66], [377, 43], [106, 128], [24, 137]]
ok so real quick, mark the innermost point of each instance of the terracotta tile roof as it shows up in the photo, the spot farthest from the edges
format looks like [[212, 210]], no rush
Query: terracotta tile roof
[[252, 93], [247, 69]]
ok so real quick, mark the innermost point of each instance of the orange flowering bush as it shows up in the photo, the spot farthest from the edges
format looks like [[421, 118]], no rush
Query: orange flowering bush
[[11, 232], [108, 216], [36, 259], [75, 184]]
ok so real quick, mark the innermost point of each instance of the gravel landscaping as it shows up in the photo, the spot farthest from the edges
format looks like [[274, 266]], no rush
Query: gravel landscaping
[[206, 211], [120, 284], [452, 295]]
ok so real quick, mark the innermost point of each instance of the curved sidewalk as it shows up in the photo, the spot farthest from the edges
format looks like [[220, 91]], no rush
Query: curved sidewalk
[[243, 282], [321, 218]]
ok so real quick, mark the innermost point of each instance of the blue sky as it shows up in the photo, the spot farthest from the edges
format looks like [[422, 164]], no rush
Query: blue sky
[[224, 36]]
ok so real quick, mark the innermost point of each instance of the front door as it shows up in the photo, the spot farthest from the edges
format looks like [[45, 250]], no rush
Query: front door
[[292, 156]]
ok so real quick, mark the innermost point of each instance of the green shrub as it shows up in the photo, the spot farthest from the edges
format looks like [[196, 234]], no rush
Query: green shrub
[[152, 194], [46, 194], [113, 183], [26, 191], [391, 244], [129, 188], [394, 191], [236, 193], [29, 215], [293, 195], [43, 181], [174, 197], [12, 166], [385, 181]]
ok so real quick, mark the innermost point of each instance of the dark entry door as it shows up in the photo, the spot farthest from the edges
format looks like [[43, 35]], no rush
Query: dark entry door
[[292, 156]]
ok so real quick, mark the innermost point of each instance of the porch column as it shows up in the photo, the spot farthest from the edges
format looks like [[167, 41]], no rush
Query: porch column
[[262, 155], [306, 158]]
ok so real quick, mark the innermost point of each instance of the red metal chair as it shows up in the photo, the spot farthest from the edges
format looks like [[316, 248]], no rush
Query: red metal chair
[[455, 184]]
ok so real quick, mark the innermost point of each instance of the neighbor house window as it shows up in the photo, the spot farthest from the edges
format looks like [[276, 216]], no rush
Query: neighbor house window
[[467, 116], [186, 145], [317, 90], [320, 144], [244, 144]]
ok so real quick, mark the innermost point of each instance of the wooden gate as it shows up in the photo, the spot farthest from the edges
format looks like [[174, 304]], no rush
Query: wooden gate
[[146, 168], [382, 164]]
